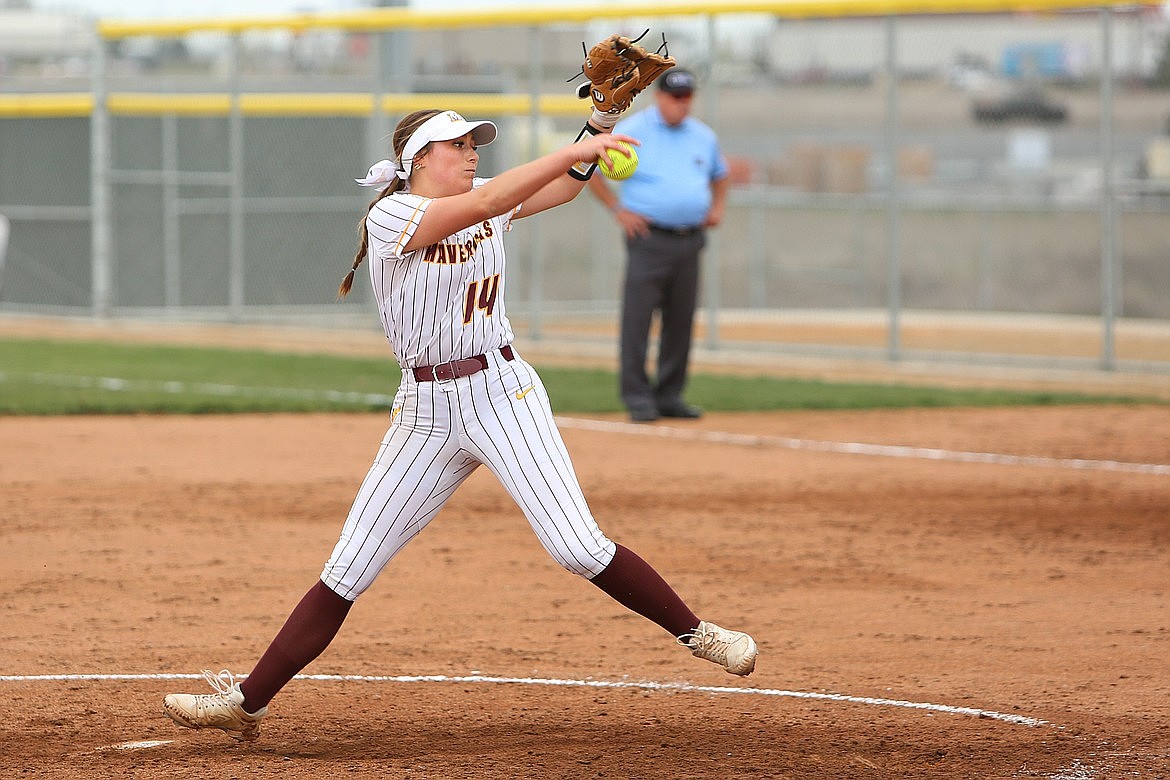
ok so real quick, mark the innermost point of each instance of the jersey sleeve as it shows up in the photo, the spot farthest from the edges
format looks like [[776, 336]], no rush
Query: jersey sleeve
[[391, 223]]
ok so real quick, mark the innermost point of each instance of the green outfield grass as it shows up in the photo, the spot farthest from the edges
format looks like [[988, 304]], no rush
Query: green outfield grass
[[54, 377]]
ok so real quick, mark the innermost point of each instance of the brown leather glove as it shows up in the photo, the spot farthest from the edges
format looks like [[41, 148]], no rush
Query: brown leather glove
[[618, 69]]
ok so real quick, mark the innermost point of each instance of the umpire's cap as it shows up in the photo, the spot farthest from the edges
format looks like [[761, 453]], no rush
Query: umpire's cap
[[677, 81]]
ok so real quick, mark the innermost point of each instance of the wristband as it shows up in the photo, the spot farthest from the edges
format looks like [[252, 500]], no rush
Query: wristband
[[582, 171], [603, 120]]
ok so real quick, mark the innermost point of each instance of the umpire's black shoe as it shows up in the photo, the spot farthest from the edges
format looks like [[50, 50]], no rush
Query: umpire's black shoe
[[680, 409], [643, 414]]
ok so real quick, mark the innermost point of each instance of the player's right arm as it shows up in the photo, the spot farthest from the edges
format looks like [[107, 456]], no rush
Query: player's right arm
[[501, 194], [563, 188]]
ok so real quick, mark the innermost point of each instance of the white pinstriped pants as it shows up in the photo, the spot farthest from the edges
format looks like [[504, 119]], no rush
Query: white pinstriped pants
[[440, 433]]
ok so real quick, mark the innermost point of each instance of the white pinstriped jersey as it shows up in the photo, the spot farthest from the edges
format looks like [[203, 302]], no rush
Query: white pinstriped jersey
[[442, 302]]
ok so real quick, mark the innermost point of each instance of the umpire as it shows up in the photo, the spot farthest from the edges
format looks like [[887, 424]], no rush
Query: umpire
[[678, 191]]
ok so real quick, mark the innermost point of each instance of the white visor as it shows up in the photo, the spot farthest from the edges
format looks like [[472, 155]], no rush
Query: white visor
[[444, 126]]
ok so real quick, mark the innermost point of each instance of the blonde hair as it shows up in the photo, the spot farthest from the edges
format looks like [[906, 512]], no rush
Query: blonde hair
[[402, 133]]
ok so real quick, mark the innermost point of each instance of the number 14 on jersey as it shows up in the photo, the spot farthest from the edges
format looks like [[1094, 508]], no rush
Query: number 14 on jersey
[[481, 295]]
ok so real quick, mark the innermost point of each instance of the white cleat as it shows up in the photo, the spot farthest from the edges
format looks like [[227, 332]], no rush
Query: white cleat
[[220, 710], [735, 651]]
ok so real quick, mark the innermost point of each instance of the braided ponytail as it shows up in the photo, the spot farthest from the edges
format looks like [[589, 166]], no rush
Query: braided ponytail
[[364, 239], [402, 133]]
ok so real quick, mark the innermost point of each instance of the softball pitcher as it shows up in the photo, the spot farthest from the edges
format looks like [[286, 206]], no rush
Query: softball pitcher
[[434, 241]]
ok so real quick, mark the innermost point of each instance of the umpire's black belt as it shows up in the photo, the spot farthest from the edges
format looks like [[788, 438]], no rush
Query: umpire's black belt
[[453, 369], [681, 232]]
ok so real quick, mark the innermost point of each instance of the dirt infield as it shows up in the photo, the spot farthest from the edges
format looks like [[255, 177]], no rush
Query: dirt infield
[[918, 615]]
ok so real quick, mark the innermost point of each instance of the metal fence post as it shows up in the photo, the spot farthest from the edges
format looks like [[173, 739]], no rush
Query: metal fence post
[[101, 271], [758, 250], [1109, 270], [711, 273], [893, 260], [172, 267], [236, 197]]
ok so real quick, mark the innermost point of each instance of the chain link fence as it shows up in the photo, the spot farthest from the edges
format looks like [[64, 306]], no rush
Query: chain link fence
[[904, 185]]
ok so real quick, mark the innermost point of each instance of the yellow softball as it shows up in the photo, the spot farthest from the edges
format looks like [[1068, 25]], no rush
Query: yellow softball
[[619, 166]]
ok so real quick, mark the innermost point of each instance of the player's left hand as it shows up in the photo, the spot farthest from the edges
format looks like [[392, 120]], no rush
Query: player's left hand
[[618, 69]]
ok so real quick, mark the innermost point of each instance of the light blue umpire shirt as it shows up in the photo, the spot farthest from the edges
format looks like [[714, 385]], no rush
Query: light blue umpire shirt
[[676, 165]]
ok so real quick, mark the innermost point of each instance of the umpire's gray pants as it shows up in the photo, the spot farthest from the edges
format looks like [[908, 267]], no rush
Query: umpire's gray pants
[[662, 274]]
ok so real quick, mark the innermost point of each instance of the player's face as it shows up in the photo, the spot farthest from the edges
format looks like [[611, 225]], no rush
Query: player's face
[[451, 165]]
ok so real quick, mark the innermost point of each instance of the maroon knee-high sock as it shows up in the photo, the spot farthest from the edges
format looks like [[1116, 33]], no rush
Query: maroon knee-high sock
[[634, 584], [307, 632]]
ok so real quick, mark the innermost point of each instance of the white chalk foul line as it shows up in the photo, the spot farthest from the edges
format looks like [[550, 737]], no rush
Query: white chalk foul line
[[143, 744], [1020, 720], [856, 448]]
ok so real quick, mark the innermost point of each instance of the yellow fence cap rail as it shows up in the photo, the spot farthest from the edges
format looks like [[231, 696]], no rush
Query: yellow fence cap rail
[[151, 104], [45, 105], [410, 18], [307, 104], [475, 103]]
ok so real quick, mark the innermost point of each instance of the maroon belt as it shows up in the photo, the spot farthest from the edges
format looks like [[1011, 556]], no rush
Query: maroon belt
[[453, 369]]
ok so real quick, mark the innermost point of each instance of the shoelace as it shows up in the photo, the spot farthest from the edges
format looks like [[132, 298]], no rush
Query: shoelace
[[696, 638], [223, 683], [707, 642]]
